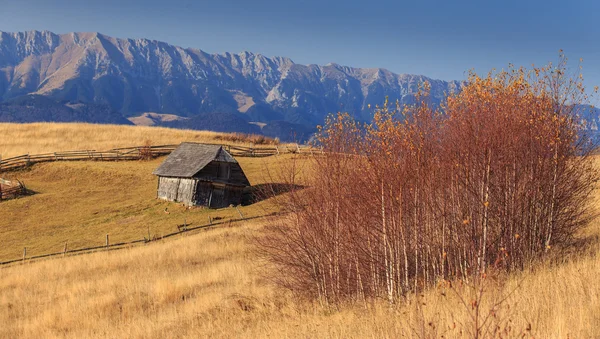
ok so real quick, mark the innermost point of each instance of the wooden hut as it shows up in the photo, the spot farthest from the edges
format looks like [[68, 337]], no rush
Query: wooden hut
[[201, 175]]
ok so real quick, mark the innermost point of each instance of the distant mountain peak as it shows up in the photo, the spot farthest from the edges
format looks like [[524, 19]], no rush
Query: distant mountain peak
[[133, 76]]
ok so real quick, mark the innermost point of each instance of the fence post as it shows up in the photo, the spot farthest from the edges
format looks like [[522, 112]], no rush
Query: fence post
[[24, 253], [148, 232], [240, 212], [107, 241], [22, 187], [65, 250]]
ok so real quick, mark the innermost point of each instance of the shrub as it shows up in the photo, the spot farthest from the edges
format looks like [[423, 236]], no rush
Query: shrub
[[247, 138], [492, 183], [146, 150]]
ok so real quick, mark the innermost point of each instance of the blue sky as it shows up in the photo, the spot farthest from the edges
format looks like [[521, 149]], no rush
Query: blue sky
[[440, 39]]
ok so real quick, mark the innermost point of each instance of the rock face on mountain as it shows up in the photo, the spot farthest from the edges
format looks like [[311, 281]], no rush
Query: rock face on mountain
[[137, 75]]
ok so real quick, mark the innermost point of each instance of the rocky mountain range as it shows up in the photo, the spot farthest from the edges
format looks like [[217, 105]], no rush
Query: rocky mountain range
[[136, 76], [95, 78]]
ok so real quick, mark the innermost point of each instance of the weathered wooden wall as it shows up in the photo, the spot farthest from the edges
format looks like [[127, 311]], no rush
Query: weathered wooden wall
[[236, 175], [233, 195], [176, 189], [203, 190], [195, 192], [186, 191]]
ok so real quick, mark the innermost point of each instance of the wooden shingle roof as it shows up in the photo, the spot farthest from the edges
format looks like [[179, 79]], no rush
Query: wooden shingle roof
[[190, 158]]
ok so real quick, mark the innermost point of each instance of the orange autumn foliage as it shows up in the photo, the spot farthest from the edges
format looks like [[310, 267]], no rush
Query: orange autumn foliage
[[494, 180]]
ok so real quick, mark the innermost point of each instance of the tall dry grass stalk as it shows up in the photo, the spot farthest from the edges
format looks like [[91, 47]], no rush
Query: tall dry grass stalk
[[499, 181]]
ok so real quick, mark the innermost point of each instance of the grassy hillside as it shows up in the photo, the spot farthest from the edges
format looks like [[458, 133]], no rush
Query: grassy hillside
[[35, 138], [209, 284], [81, 202]]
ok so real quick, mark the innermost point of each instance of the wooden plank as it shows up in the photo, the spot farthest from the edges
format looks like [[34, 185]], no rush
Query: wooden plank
[[241, 148], [134, 147], [13, 159]]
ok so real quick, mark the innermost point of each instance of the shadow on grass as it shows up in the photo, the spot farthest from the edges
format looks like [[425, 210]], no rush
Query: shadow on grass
[[258, 193], [11, 193], [581, 246]]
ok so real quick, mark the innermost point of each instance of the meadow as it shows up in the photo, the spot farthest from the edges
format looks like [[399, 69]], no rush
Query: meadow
[[36, 138], [80, 202], [210, 283]]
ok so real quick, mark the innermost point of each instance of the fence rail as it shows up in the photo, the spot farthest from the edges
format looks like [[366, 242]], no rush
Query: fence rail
[[139, 152], [108, 246], [9, 189]]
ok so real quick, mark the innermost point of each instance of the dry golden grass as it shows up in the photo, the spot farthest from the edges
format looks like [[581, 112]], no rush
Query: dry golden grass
[[81, 202], [208, 284], [36, 138]]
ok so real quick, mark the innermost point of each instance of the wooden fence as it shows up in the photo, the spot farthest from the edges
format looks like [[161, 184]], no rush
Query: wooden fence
[[11, 189], [140, 152], [184, 228], [131, 153]]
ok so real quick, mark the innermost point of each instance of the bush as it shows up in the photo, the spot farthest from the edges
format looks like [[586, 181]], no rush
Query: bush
[[494, 182], [256, 139]]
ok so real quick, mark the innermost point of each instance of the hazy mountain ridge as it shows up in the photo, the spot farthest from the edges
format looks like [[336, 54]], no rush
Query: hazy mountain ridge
[[106, 76], [139, 75], [38, 108]]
